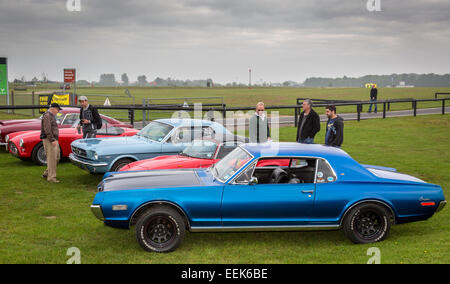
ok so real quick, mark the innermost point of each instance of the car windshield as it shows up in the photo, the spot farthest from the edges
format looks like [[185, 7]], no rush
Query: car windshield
[[59, 117], [229, 165], [155, 131], [202, 149]]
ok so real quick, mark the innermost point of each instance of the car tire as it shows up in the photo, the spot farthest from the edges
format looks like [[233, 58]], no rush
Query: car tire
[[161, 229], [367, 223], [120, 164], [38, 155]]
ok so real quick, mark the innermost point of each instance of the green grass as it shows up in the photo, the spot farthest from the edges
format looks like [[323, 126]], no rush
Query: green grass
[[39, 221], [238, 97]]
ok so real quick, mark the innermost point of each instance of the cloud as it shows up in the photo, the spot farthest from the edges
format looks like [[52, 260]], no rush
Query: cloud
[[174, 37]]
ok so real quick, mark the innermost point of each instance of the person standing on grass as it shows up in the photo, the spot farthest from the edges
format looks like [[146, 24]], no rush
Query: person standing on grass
[[49, 136], [308, 124], [373, 98], [335, 128], [90, 120], [259, 131]]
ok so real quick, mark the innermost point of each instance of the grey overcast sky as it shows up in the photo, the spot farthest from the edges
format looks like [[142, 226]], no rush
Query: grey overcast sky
[[221, 39]]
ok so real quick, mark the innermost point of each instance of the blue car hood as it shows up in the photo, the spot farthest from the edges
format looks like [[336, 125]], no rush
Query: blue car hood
[[117, 145], [150, 179]]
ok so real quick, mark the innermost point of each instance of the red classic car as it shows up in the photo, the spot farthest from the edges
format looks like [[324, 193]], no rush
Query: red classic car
[[65, 118], [28, 144], [200, 154]]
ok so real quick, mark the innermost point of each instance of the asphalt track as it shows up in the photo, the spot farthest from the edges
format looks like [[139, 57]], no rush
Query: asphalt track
[[289, 120]]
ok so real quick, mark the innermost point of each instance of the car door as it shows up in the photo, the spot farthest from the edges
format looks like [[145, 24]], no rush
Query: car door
[[266, 205]]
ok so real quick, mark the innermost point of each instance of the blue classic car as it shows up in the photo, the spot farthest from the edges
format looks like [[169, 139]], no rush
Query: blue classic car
[[160, 137], [322, 188]]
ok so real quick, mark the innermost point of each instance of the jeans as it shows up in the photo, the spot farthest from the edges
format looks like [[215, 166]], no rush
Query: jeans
[[370, 107], [90, 134], [308, 140]]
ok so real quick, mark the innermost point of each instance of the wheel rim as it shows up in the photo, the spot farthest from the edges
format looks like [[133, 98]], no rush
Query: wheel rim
[[368, 224], [41, 156], [119, 166], [160, 231]]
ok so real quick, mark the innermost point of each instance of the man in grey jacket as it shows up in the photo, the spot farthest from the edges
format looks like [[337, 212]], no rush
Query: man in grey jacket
[[259, 130]]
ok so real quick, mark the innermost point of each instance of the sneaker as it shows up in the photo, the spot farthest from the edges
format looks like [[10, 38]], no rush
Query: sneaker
[[54, 181]]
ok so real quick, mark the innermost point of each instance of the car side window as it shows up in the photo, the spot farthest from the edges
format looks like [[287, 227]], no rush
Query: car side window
[[324, 172]]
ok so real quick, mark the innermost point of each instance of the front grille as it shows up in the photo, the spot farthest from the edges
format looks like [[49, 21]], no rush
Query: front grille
[[79, 152]]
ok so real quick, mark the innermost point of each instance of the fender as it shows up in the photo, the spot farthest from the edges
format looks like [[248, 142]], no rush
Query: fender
[[160, 202], [352, 204]]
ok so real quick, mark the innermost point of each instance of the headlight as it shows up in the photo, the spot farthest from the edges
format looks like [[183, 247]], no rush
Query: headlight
[[7, 138], [95, 156], [21, 142]]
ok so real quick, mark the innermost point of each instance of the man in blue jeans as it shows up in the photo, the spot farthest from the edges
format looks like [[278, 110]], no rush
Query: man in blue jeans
[[373, 98]]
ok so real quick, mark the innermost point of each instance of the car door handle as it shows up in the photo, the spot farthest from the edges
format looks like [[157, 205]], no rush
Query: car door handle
[[308, 191]]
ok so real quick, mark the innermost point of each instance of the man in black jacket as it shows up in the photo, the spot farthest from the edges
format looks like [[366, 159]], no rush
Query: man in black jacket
[[90, 120], [373, 98], [308, 124], [335, 128]]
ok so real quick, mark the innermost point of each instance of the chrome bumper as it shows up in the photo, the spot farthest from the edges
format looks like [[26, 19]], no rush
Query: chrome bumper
[[97, 211], [441, 206], [76, 160]]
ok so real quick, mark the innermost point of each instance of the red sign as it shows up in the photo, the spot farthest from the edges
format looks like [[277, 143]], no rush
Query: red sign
[[69, 75]]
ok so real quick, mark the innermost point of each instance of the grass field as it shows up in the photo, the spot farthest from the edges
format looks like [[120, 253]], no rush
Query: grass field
[[239, 97], [39, 222]]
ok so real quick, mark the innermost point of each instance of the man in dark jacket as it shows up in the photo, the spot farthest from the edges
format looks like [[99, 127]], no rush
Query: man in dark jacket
[[335, 128], [308, 124], [49, 136], [90, 120], [373, 98]]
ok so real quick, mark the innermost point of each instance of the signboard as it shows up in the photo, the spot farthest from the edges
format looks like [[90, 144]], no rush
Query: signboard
[[69, 75], [369, 85], [63, 99], [3, 77]]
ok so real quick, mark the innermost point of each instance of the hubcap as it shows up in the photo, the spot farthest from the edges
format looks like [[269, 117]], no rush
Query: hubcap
[[368, 224], [41, 156], [161, 231]]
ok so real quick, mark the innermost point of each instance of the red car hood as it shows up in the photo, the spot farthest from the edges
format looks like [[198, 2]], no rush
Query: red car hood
[[168, 162], [18, 121]]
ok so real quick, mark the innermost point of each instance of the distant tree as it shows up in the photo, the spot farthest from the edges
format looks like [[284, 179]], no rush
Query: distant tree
[[142, 80], [124, 79], [107, 80]]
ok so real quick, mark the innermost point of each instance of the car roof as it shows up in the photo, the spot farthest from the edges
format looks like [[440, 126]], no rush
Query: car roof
[[293, 149], [184, 121], [344, 165]]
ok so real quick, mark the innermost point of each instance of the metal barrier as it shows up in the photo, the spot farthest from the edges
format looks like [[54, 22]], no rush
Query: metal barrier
[[224, 109]]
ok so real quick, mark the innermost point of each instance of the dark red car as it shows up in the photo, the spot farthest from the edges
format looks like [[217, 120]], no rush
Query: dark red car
[[200, 154], [28, 144], [65, 119]]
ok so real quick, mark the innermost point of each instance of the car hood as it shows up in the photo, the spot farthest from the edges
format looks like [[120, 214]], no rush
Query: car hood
[[18, 121], [149, 179], [168, 162], [116, 145]]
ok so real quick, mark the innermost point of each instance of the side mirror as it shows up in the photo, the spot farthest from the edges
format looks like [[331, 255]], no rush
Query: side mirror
[[253, 180]]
